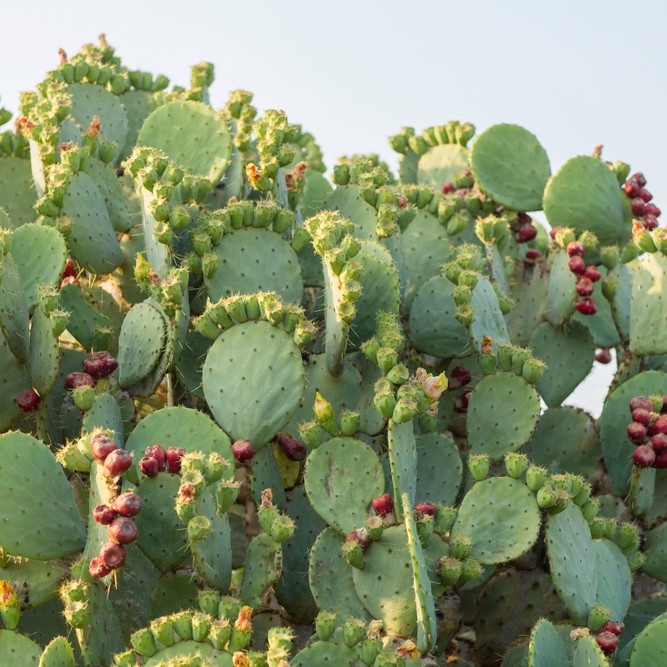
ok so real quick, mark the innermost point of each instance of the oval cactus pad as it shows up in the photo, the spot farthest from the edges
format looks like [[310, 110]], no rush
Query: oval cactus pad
[[253, 381], [501, 517], [511, 165], [192, 134], [492, 428], [42, 520]]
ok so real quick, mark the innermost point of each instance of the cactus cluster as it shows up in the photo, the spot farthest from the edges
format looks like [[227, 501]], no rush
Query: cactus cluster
[[254, 416]]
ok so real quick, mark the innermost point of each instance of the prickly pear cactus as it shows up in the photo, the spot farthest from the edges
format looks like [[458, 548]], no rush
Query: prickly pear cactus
[[254, 412]]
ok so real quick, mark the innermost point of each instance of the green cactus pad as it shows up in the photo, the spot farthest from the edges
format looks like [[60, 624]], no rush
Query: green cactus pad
[[265, 474], [402, 457], [35, 581], [510, 164], [547, 649], [43, 353], [253, 381], [614, 578], [529, 594], [372, 422], [174, 592], [439, 469], [262, 567], [112, 193], [142, 339], [162, 535], [348, 201], [85, 321], [187, 649], [40, 253], [190, 360], [58, 653], [179, 427], [527, 313], [651, 645], [434, 328], [315, 191], [19, 649], [562, 290], [330, 653], [648, 309], [292, 589], [14, 315], [342, 477], [330, 577], [42, 521], [656, 550], [439, 164], [385, 585], [192, 134], [622, 301], [585, 195], [379, 290], [105, 413], [568, 355], [88, 100], [572, 561], [640, 614], [213, 554], [614, 419], [565, 439], [255, 260], [92, 239], [487, 319], [17, 191], [517, 656], [138, 105], [587, 653], [501, 517], [425, 248], [492, 429]]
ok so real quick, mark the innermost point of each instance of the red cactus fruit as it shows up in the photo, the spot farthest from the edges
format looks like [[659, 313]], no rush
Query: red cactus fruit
[[98, 568], [592, 273], [523, 218], [577, 265], [631, 189], [643, 456], [652, 209], [361, 536], [448, 188], [603, 356], [533, 254], [293, 449], [650, 221], [128, 504], [70, 269], [104, 514], [659, 443], [123, 530], [174, 456], [109, 362], [118, 462], [660, 461], [158, 453], [113, 554], [587, 306], [636, 432], [639, 179], [658, 426], [616, 627], [28, 400], [383, 505], [527, 232], [459, 377], [638, 206], [642, 416], [461, 403], [645, 195], [643, 402], [607, 641], [102, 445], [576, 248], [78, 379], [585, 287], [94, 367], [427, 507], [149, 466], [243, 451]]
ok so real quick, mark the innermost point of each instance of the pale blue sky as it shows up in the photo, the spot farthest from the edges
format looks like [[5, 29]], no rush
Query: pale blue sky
[[577, 74]]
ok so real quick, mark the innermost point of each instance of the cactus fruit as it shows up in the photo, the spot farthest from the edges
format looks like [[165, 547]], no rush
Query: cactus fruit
[[334, 369]]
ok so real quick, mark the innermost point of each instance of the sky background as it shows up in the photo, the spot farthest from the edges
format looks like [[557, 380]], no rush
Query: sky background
[[575, 73]]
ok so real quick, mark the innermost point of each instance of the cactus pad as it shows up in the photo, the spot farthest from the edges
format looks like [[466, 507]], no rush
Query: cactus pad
[[17, 191], [255, 260], [547, 649], [651, 645], [568, 355], [14, 316], [254, 395], [510, 164], [614, 578], [440, 163], [492, 429], [572, 561], [488, 319], [648, 306], [332, 654], [192, 134], [562, 290], [23, 651], [585, 195], [342, 477], [439, 469], [42, 521], [501, 517]]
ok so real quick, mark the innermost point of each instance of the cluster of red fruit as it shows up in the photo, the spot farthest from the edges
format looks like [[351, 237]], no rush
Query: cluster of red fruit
[[524, 232], [588, 276], [635, 190], [460, 377], [157, 459], [607, 637], [648, 430], [122, 529]]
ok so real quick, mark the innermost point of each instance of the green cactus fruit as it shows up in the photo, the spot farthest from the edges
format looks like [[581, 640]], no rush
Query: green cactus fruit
[[478, 465]]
